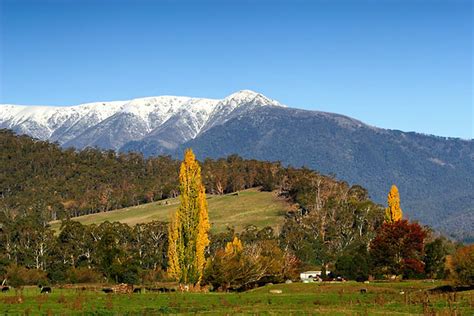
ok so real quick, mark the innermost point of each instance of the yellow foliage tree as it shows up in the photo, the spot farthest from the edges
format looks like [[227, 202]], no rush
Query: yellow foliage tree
[[173, 263], [189, 226], [233, 247], [393, 212], [202, 240]]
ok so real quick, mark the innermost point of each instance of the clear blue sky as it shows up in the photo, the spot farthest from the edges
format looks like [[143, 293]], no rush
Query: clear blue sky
[[401, 64]]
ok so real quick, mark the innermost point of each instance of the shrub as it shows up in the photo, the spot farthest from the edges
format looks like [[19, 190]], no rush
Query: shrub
[[436, 253], [463, 264], [238, 267], [152, 276], [17, 276], [413, 269], [84, 275], [354, 264], [126, 272]]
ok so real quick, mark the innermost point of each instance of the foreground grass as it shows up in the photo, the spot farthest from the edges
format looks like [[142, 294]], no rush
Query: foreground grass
[[248, 207], [295, 299]]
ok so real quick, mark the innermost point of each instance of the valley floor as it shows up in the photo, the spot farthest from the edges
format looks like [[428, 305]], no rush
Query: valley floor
[[400, 298]]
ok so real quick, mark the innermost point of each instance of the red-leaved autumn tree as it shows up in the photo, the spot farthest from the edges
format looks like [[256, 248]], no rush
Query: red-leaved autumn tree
[[398, 249]]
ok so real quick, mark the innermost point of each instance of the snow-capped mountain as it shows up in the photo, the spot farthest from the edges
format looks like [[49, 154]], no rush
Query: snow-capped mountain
[[166, 120], [434, 174]]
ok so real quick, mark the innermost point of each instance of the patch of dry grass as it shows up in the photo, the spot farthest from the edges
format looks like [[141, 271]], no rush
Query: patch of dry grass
[[238, 210]]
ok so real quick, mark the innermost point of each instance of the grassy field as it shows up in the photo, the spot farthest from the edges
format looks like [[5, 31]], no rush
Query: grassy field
[[248, 207], [402, 298]]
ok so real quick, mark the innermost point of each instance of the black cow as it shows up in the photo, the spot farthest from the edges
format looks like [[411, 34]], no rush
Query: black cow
[[5, 289], [45, 289]]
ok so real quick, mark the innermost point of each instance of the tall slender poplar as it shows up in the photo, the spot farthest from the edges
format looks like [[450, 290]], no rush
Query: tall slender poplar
[[393, 212], [189, 226]]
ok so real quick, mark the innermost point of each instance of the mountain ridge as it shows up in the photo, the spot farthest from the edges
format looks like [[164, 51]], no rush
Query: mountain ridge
[[73, 126], [435, 174]]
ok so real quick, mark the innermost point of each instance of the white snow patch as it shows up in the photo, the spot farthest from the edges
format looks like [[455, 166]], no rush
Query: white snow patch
[[154, 111]]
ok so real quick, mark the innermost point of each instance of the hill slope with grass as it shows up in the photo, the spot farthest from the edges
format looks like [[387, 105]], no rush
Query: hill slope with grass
[[234, 210]]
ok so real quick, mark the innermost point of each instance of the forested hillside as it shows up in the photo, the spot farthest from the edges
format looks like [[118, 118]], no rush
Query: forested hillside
[[38, 176], [40, 182], [42, 178], [435, 175]]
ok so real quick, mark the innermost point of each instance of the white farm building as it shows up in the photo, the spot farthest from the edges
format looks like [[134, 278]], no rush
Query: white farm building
[[311, 275]]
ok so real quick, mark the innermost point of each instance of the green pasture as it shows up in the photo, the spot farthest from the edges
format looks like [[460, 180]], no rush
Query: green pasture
[[235, 210], [400, 298]]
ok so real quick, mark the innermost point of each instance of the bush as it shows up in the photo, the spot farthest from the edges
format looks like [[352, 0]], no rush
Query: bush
[[413, 269], [152, 276], [239, 267], [4, 262], [436, 253], [127, 272], [463, 264], [354, 264], [84, 275], [17, 276]]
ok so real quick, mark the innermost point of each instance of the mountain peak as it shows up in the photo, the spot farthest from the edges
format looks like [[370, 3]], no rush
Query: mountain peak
[[67, 125], [249, 96], [243, 94]]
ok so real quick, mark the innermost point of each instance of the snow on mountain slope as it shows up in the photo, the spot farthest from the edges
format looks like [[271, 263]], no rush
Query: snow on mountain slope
[[53, 122], [232, 106], [168, 120]]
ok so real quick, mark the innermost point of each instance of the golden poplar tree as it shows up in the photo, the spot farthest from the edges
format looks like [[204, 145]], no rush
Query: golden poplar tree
[[173, 263], [233, 247], [189, 226], [393, 212]]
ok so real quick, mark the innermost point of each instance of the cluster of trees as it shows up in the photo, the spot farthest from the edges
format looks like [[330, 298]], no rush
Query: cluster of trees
[[358, 239], [115, 252], [31, 253], [41, 177], [233, 267], [333, 225], [82, 253], [56, 183]]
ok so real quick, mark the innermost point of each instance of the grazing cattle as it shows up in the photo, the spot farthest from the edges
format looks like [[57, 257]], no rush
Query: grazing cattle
[[46, 289], [137, 290], [123, 288], [5, 289], [107, 290], [160, 289], [363, 291]]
